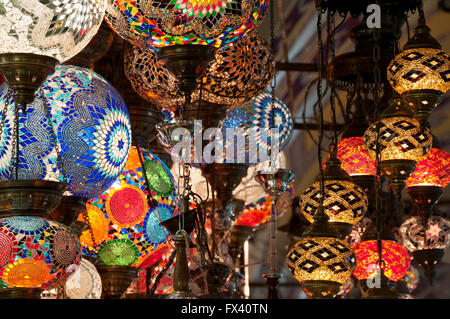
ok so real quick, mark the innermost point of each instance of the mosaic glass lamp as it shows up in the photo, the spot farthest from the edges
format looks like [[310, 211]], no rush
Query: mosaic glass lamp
[[426, 184], [395, 256], [37, 34], [421, 73], [402, 143], [91, 124], [84, 283], [255, 119], [426, 241], [162, 23], [238, 73], [354, 157], [344, 202], [125, 219], [36, 253], [322, 265]]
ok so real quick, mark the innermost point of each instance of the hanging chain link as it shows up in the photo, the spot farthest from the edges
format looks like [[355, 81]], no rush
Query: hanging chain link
[[332, 75], [376, 99], [91, 231]]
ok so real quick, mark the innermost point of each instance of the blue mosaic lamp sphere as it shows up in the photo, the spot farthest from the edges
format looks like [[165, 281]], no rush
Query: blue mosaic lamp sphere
[[91, 124], [255, 119]]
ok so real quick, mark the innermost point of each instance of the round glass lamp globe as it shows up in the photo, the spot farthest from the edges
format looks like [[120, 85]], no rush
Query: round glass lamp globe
[[90, 122]]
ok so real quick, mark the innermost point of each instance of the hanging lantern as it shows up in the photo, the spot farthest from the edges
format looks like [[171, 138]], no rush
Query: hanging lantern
[[126, 229], [37, 34], [354, 157], [84, 283], [402, 143], [395, 256], [344, 202], [255, 118], [161, 24], [90, 122], [421, 73], [238, 73], [426, 243], [321, 265], [36, 253], [426, 184]]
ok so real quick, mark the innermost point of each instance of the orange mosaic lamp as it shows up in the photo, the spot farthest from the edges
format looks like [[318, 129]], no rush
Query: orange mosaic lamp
[[395, 256], [426, 184], [125, 219], [354, 157]]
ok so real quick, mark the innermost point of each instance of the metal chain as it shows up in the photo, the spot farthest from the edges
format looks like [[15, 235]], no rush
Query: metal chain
[[54, 137], [376, 99], [319, 96], [91, 231], [16, 139], [332, 76]]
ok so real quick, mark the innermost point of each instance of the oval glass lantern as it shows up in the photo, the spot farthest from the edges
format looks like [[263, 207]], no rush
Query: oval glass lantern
[[435, 235], [354, 157], [84, 283], [433, 170], [395, 256], [125, 219], [36, 253], [212, 22], [90, 121], [59, 29]]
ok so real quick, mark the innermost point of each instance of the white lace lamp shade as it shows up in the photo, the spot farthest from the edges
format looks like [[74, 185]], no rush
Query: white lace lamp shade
[[84, 283]]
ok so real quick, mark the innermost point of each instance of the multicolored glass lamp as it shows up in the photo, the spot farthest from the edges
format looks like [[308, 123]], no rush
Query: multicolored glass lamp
[[84, 283], [89, 121], [125, 219], [426, 241], [37, 35], [426, 184], [186, 33], [344, 202], [402, 143], [36, 254], [421, 72]]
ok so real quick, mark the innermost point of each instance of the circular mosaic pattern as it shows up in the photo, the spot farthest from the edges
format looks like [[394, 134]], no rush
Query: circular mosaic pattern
[[127, 206], [420, 69], [435, 235], [163, 23], [158, 178], [395, 256], [400, 138], [90, 121], [256, 120], [154, 232], [344, 202], [8, 247], [321, 258], [41, 257], [65, 248], [354, 157], [84, 283], [144, 232], [118, 252], [26, 225], [433, 170], [55, 28]]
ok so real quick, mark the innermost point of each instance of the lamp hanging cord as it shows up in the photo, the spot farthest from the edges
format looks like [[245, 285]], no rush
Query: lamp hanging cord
[[376, 99], [331, 29], [319, 96]]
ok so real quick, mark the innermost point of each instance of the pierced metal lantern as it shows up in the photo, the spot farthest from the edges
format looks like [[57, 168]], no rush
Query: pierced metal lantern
[[126, 218], [36, 253], [84, 283], [395, 256], [91, 124], [321, 265], [161, 23]]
